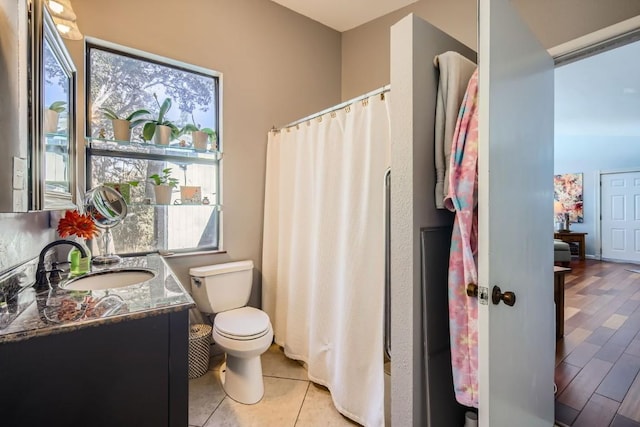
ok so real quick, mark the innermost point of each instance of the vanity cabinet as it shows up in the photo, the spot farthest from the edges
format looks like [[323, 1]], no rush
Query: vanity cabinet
[[38, 111], [76, 364], [128, 373]]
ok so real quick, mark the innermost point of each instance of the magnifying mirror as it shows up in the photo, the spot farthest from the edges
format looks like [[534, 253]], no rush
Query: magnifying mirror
[[107, 208]]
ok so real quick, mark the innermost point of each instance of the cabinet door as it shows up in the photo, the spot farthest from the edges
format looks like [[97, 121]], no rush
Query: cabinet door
[[53, 150]]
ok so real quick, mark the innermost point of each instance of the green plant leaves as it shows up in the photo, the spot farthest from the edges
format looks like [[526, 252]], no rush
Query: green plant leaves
[[144, 117], [137, 123], [137, 113], [58, 106], [164, 109], [189, 128], [212, 133], [148, 130], [175, 132], [164, 179], [195, 128], [109, 113]]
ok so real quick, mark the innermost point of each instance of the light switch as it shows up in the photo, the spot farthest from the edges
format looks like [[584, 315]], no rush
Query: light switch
[[19, 173], [19, 201]]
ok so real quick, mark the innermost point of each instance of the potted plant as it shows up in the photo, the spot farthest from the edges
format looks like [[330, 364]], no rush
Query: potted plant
[[199, 136], [160, 129], [164, 184], [122, 126], [51, 115]]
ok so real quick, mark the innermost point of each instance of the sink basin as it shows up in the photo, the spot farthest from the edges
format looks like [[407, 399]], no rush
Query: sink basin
[[109, 279]]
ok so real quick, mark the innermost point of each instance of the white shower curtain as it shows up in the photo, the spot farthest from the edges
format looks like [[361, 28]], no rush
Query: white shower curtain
[[323, 251]]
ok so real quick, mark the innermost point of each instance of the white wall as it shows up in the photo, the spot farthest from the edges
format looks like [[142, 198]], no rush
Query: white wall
[[589, 154]]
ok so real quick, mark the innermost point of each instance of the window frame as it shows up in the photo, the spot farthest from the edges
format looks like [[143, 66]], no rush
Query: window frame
[[217, 77]]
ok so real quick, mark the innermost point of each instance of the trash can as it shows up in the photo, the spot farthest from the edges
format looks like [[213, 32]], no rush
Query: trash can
[[199, 342]]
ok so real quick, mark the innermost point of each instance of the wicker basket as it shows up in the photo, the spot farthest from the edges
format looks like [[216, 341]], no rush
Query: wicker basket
[[199, 341]]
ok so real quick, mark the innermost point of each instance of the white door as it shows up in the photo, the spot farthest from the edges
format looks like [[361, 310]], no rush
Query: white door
[[620, 216], [516, 344]]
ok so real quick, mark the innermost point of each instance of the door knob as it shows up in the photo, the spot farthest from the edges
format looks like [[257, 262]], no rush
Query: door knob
[[472, 290], [508, 297]]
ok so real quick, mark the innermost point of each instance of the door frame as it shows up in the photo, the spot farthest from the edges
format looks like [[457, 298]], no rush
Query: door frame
[[406, 390], [598, 236], [599, 41]]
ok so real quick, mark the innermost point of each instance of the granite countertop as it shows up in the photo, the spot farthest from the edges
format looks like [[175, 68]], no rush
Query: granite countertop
[[64, 310]]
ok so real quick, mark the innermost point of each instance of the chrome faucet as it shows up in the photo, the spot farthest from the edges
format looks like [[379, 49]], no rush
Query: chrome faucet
[[41, 272]]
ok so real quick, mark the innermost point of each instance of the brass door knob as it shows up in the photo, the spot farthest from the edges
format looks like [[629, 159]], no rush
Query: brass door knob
[[508, 297], [472, 290]]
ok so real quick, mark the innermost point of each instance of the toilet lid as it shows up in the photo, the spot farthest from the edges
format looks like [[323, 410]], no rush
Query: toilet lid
[[242, 323]]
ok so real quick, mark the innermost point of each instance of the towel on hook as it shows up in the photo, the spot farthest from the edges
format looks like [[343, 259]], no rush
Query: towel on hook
[[455, 72]]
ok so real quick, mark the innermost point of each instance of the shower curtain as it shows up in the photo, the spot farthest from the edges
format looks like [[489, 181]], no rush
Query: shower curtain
[[323, 251]]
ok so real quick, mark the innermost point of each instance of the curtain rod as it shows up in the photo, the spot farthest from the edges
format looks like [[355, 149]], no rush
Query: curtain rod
[[378, 91]]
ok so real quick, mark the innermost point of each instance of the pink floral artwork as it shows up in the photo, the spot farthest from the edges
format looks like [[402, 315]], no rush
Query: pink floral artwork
[[568, 192]]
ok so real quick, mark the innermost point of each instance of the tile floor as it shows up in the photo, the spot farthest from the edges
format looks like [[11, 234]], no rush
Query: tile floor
[[289, 398]]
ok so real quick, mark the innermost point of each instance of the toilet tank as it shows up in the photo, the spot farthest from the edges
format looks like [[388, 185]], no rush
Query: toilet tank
[[221, 287]]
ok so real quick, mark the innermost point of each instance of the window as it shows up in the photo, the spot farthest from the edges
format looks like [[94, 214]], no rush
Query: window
[[121, 81]]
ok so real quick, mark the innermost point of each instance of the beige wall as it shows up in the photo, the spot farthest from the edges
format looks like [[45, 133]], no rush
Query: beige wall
[[277, 66], [365, 49]]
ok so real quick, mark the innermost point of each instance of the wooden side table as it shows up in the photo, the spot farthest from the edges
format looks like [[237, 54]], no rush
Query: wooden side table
[[558, 298], [571, 237]]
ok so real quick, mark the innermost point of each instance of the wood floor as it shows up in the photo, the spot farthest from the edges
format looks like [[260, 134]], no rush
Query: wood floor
[[598, 360]]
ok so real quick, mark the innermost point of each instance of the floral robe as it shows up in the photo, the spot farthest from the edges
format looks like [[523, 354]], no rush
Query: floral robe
[[463, 199]]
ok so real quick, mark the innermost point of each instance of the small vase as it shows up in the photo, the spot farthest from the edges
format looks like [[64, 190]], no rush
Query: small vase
[[50, 124], [162, 135], [200, 140], [121, 130], [567, 222], [79, 265], [163, 194], [190, 195]]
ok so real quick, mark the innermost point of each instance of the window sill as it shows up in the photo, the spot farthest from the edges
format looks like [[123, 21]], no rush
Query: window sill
[[169, 254]]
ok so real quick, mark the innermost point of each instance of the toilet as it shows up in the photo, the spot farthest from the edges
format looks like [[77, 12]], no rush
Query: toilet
[[244, 333]]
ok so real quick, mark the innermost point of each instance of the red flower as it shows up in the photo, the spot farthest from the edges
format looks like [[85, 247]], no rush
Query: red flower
[[77, 224]]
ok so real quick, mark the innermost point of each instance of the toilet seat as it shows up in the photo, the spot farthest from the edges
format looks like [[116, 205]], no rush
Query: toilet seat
[[243, 324]]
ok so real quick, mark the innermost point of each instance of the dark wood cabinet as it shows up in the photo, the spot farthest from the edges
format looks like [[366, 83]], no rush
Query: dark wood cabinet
[[128, 373]]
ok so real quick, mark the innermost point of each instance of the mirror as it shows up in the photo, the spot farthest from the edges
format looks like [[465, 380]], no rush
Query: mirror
[[37, 166], [107, 208], [53, 150]]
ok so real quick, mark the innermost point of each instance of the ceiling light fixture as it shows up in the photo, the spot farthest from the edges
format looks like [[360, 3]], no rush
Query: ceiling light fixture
[[67, 29], [62, 9], [64, 18]]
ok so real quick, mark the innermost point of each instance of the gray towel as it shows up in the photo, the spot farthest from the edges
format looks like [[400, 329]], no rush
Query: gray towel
[[455, 72]]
